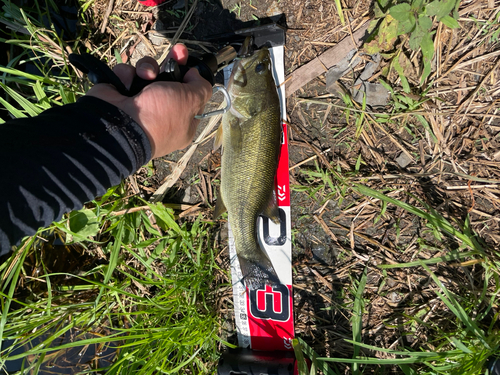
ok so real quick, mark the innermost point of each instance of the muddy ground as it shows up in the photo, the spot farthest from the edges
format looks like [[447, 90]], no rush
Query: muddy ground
[[337, 233]]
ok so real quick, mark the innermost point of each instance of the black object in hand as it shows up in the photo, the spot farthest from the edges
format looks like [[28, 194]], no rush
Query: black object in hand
[[99, 72]]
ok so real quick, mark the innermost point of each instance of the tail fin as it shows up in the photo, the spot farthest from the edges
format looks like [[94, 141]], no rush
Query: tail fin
[[257, 274]]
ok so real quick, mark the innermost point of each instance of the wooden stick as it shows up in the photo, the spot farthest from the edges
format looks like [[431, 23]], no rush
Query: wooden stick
[[180, 30], [333, 56], [106, 16]]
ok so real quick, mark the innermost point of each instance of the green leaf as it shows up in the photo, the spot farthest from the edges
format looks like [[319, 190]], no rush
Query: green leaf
[[357, 317], [118, 57], [405, 17], [383, 3], [440, 8], [301, 362], [424, 24], [358, 163], [417, 5], [84, 222], [407, 370], [449, 299], [434, 219], [66, 95], [386, 37], [41, 96], [426, 126], [378, 11], [20, 73], [312, 355], [386, 86], [407, 26], [445, 258], [12, 110], [415, 38], [359, 121], [460, 345], [339, 10], [400, 12], [450, 22], [166, 216], [113, 258], [432, 8], [427, 46]]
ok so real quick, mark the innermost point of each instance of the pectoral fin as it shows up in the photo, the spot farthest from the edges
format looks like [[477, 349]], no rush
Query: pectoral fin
[[271, 210], [235, 135], [218, 138], [220, 207]]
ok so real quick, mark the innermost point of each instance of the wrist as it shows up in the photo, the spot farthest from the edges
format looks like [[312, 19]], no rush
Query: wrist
[[126, 105]]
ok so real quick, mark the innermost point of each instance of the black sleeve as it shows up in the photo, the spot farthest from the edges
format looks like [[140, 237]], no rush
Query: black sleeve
[[53, 163]]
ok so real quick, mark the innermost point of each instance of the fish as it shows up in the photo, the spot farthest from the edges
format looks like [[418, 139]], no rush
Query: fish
[[250, 136]]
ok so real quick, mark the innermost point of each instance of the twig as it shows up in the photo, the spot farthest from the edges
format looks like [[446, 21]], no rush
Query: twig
[[464, 187], [180, 30], [327, 230], [323, 280], [189, 211], [145, 41], [106, 16], [308, 159], [478, 87], [175, 206], [370, 240]]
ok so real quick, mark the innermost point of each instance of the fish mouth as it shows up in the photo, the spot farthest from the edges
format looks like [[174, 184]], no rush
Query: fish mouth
[[247, 48]]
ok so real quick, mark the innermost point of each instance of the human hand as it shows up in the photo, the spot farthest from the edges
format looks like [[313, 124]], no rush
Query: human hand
[[165, 110]]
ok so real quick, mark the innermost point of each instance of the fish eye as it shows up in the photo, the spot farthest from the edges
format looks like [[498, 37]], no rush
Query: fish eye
[[259, 68]]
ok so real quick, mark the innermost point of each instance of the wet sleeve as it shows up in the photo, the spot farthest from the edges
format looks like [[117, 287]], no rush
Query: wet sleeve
[[55, 162]]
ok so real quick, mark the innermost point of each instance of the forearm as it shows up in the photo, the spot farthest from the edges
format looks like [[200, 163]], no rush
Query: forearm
[[57, 161]]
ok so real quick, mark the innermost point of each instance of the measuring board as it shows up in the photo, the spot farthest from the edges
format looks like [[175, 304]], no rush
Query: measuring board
[[264, 317]]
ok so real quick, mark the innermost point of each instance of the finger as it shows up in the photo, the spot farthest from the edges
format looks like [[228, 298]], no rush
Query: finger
[[125, 73], [179, 53], [199, 85], [147, 68]]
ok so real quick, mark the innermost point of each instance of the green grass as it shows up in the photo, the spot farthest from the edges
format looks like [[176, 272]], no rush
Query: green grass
[[157, 321]]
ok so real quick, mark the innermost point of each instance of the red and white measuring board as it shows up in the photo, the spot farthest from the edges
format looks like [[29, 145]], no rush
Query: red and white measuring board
[[264, 317]]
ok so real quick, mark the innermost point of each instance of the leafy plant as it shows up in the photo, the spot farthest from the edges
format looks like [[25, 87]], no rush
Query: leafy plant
[[413, 19]]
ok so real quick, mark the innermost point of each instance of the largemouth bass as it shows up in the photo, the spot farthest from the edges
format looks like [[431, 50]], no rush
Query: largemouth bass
[[250, 136]]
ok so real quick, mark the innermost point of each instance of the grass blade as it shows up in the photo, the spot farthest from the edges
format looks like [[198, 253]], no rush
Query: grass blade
[[357, 317], [311, 354], [457, 309], [435, 219], [340, 11]]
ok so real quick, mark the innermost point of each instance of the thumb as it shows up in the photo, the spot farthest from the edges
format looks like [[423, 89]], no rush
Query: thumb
[[198, 84]]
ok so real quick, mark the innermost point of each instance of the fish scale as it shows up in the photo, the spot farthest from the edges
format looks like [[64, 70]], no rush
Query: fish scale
[[251, 143]]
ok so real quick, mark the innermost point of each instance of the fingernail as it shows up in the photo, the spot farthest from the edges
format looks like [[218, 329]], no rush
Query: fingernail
[[147, 67]]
